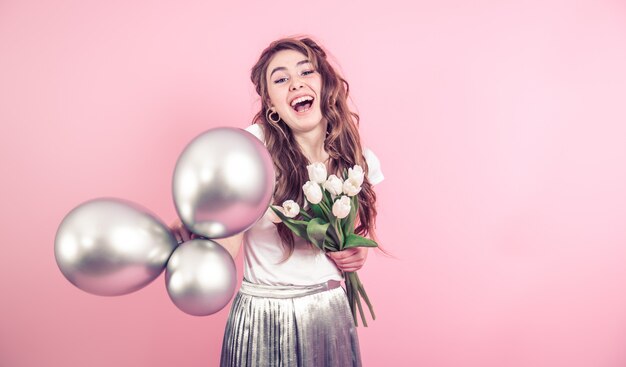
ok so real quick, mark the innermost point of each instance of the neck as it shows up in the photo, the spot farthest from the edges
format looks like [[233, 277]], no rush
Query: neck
[[312, 143]]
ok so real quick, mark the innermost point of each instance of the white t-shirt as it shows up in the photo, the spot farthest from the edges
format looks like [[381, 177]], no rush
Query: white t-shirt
[[307, 264]]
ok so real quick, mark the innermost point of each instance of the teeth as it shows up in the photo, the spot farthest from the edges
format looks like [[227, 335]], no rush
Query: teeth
[[301, 99]]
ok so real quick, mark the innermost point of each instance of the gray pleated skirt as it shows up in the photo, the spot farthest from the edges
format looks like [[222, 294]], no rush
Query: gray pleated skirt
[[306, 326]]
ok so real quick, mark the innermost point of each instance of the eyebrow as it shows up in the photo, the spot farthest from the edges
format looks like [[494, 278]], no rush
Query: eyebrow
[[284, 68]]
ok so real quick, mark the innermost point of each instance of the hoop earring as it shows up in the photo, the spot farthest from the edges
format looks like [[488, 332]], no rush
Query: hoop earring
[[271, 112]]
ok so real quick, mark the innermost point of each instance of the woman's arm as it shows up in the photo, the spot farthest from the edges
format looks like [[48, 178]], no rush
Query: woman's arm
[[231, 244]]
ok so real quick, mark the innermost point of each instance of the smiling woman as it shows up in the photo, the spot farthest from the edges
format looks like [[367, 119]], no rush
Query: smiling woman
[[291, 310], [294, 88]]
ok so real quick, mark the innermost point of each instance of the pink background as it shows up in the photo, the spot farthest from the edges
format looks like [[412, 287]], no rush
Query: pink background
[[501, 129]]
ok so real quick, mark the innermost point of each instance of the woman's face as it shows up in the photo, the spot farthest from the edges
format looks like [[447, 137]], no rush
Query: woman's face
[[295, 89]]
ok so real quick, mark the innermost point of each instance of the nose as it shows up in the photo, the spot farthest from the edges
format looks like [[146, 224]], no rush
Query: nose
[[296, 83]]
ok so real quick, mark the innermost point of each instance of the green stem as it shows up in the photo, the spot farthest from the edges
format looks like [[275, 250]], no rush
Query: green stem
[[358, 302], [364, 294], [325, 208], [327, 198], [305, 214], [341, 240], [351, 296], [354, 281]]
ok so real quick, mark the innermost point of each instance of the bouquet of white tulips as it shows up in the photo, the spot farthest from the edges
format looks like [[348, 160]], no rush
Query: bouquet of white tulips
[[328, 222]]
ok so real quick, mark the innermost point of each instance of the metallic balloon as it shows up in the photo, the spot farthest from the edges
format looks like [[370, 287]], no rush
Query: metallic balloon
[[200, 277], [111, 247], [223, 182]]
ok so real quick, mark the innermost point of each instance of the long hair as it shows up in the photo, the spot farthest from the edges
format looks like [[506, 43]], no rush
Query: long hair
[[342, 140]]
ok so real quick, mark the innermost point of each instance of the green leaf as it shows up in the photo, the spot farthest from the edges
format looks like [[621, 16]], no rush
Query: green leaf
[[317, 210], [305, 215], [354, 240], [329, 243], [326, 210], [334, 231], [316, 232], [298, 227]]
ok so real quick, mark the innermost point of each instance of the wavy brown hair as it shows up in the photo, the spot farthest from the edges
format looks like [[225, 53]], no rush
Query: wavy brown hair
[[342, 141]]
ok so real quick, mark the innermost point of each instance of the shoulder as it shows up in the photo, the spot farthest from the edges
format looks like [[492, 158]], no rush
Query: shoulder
[[256, 130], [374, 173]]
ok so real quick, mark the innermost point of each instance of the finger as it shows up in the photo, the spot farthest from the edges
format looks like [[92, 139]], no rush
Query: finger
[[351, 267], [334, 256], [185, 234], [337, 255], [346, 264], [350, 263], [175, 225], [358, 257]]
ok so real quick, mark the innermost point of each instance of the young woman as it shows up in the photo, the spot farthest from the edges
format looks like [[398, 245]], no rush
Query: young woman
[[290, 310]]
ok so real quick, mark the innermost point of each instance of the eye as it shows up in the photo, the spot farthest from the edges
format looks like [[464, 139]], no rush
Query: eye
[[281, 80], [307, 72]]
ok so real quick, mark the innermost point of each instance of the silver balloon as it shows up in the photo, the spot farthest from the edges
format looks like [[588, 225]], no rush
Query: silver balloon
[[111, 247], [200, 277], [223, 182]]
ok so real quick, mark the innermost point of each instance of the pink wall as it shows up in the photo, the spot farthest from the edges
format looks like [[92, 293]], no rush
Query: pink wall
[[501, 129]]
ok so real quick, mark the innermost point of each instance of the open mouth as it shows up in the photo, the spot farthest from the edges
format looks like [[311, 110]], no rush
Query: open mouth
[[302, 104]]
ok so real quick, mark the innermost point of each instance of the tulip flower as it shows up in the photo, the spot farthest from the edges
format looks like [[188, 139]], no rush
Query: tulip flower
[[356, 173], [341, 207], [317, 172], [290, 209], [351, 186], [313, 192], [333, 185]]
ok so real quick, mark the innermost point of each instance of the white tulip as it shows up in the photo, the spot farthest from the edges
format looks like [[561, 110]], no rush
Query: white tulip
[[333, 185], [317, 172], [351, 186], [341, 207], [357, 174], [291, 209], [313, 192]]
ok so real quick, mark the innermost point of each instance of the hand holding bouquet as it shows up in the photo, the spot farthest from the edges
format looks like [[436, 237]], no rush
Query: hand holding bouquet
[[328, 222]]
